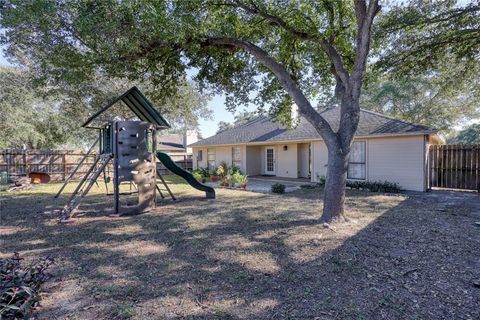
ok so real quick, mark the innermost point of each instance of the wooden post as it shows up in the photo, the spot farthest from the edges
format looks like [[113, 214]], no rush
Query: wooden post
[[154, 159], [64, 160], [116, 191]]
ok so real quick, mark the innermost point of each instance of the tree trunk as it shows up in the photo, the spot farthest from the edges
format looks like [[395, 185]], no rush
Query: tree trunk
[[334, 197]]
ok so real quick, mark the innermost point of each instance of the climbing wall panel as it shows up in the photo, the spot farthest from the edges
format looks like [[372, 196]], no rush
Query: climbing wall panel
[[135, 163]]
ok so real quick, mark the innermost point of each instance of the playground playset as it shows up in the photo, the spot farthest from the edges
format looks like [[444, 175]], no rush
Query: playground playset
[[130, 145]]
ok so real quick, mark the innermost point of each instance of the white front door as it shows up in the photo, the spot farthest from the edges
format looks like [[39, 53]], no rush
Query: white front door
[[269, 160]]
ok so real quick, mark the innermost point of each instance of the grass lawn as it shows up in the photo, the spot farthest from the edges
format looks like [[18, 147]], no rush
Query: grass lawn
[[253, 256]]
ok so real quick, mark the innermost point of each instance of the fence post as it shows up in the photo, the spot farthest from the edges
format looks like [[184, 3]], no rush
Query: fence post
[[25, 162], [64, 173]]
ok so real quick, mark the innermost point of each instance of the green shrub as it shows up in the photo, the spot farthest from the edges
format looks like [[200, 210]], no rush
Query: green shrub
[[213, 172], [321, 180], [20, 286], [243, 179], [237, 177], [234, 169], [222, 170], [197, 175], [278, 188], [205, 172], [375, 186]]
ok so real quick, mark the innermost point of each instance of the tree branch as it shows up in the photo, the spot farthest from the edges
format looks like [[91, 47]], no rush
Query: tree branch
[[285, 80], [329, 49], [363, 40]]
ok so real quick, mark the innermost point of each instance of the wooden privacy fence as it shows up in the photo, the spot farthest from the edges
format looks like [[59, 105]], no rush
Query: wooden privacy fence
[[454, 166], [60, 163], [183, 161]]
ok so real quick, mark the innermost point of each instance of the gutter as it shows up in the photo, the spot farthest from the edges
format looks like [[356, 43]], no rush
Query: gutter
[[391, 135]]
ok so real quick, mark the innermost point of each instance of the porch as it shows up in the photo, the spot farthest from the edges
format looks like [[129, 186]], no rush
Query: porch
[[291, 161]]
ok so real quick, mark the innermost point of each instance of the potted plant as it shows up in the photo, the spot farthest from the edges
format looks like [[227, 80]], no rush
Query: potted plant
[[213, 175], [222, 172], [238, 179], [243, 182]]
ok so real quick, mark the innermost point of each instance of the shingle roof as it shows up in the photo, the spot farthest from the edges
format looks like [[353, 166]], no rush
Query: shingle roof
[[168, 146], [264, 129]]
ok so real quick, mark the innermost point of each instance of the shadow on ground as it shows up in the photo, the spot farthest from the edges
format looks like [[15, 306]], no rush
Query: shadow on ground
[[256, 256]]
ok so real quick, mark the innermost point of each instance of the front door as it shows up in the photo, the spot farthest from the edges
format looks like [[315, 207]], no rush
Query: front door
[[269, 160]]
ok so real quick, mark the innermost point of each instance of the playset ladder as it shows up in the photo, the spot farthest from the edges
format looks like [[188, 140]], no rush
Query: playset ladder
[[85, 185], [76, 168], [166, 187]]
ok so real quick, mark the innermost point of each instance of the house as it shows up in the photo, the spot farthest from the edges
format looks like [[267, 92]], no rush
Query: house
[[176, 144], [384, 149]]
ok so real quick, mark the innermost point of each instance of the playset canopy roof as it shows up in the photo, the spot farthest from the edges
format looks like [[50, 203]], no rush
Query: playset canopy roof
[[134, 99]]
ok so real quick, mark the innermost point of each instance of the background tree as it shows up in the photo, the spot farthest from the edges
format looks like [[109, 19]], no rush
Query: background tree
[[430, 100], [241, 118], [469, 135], [275, 53], [46, 118], [422, 35], [26, 118], [428, 63]]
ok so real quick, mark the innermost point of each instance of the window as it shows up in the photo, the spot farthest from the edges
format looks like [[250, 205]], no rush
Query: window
[[199, 155], [211, 158], [357, 161], [236, 157]]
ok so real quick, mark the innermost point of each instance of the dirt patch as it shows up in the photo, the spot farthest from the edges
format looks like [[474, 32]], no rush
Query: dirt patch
[[255, 256]]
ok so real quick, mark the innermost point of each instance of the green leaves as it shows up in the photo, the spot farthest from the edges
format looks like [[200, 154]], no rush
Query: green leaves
[[20, 286], [469, 135], [416, 36], [443, 99]]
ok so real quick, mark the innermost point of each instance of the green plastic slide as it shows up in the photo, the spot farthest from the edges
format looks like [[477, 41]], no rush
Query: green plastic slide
[[172, 166]]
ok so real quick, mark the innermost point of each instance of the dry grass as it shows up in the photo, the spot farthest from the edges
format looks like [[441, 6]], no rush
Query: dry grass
[[254, 256]]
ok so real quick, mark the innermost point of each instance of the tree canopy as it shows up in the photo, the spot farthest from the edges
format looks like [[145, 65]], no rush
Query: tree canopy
[[26, 118], [469, 135], [427, 63], [418, 36], [428, 100], [158, 41], [241, 118], [46, 118]]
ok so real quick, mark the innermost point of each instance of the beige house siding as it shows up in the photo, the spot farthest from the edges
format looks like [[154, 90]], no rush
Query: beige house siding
[[399, 159], [196, 162], [253, 160], [319, 160], [287, 161], [221, 154], [394, 159], [303, 160]]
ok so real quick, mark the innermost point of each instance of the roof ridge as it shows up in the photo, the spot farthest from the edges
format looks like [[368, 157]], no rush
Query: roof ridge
[[244, 124], [395, 119], [383, 116]]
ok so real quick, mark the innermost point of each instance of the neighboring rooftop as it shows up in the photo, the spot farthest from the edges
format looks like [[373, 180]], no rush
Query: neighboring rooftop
[[264, 129], [171, 142]]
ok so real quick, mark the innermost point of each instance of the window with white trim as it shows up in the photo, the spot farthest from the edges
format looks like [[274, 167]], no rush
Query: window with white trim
[[236, 157], [211, 158], [357, 162]]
